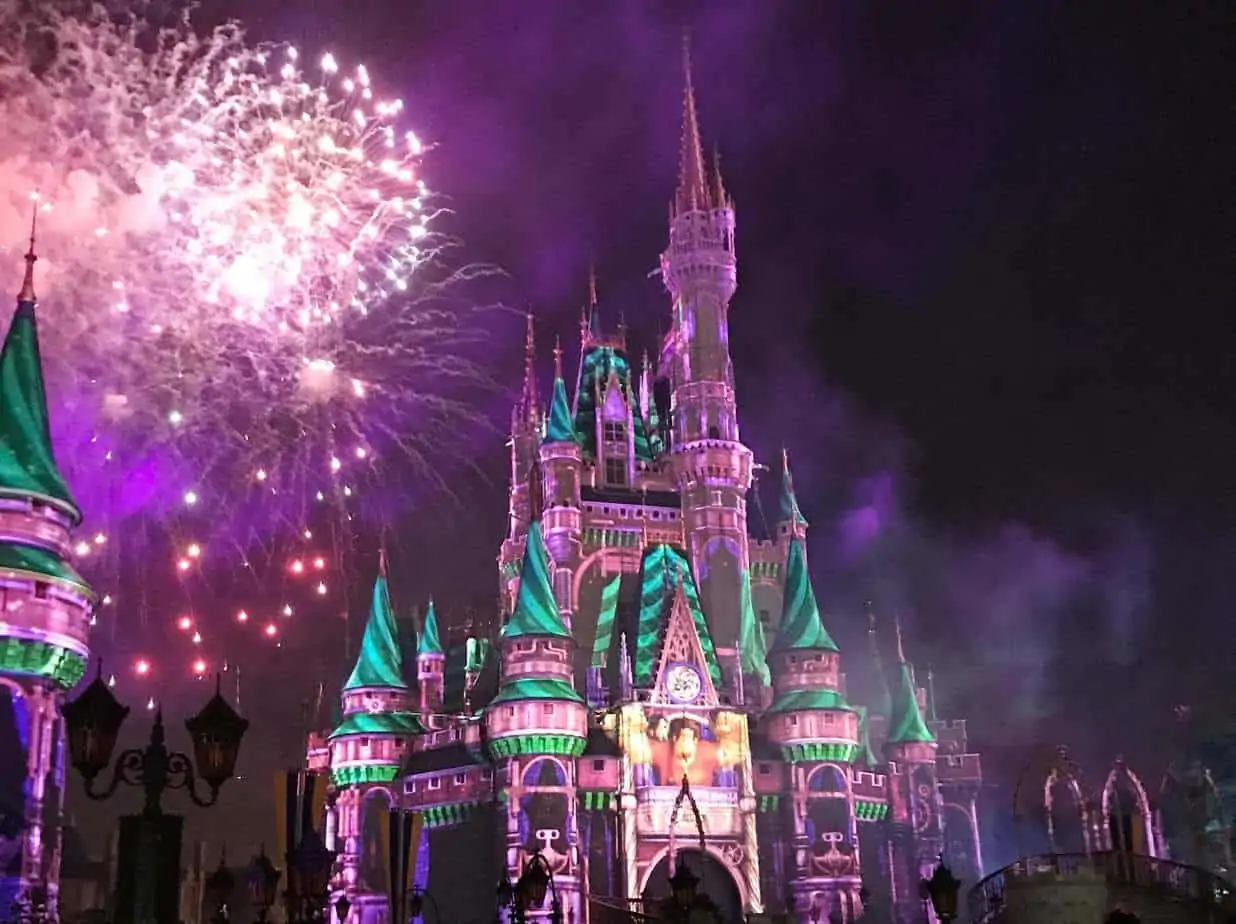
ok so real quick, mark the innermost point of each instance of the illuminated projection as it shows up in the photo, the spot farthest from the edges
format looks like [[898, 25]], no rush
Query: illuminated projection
[[663, 745]]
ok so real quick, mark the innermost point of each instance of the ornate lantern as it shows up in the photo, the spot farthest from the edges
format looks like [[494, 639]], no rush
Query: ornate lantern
[[262, 881], [92, 722], [216, 732]]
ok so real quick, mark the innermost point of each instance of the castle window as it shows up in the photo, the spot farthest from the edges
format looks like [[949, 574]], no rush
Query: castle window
[[434, 783], [547, 709], [487, 774], [364, 742], [714, 433], [598, 766], [830, 719], [616, 471], [461, 778], [614, 432], [765, 769], [40, 590]]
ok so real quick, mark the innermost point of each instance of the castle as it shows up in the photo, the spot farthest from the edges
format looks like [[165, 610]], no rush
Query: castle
[[664, 688]]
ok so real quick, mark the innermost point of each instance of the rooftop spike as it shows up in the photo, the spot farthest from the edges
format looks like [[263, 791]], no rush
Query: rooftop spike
[[718, 184], [692, 186], [592, 286], [27, 295], [791, 513], [557, 358], [530, 399]]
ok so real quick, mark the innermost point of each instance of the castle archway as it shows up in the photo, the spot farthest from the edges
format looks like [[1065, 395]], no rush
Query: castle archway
[[716, 881]]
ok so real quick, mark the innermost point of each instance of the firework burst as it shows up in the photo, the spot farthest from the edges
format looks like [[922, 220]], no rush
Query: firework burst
[[244, 313], [235, 251]]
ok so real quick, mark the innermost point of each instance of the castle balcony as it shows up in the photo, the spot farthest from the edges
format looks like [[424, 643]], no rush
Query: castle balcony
[[959, 769], [1082, 889], [30, 523], [719, 811], [561, 519], [713, 463]]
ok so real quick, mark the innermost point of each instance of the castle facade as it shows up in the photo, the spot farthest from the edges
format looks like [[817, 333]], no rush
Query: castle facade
[[664, 688]]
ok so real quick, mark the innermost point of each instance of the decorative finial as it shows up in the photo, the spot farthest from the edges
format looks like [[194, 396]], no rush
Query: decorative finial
[[592, 286], [692, 188], [901, 654], [557, 358], [871, 618], [718, 184], [785, 459], [27, 285], [382, 558]]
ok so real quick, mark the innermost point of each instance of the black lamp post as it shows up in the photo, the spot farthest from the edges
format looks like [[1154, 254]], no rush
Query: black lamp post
[[93, 723], [218, 891], [529, 892], [262, 881], [416, 904], [310, 866], [942, 889]]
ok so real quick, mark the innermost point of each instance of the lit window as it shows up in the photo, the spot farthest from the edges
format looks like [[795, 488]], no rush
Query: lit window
[[614, 432], [616, 471]]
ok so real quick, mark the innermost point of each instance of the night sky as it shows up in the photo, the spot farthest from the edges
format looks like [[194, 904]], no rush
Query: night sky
[[986, 255]]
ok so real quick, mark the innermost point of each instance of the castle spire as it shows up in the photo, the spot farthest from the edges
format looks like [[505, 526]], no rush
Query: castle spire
[[530, 401], [560, 425], [27, 463], [536, 607], [380, 663], [883, 699], [27, 296], [692, 192], [430, 642], [801, 625], [906, 723], [791, 514], [592, 286]]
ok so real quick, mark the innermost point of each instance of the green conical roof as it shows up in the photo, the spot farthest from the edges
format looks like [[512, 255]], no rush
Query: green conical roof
[[380, 663], [801, 625], [430, 643], [27, 464], [789, 500], [560, 427], [753, 650], [906, 722], [536, 608]]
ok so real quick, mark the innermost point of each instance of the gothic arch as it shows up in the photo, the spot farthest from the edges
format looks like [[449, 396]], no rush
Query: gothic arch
[[828, 779], [1110, 802], [629, 558], [1059, 778], [714, 861], [536, 768]]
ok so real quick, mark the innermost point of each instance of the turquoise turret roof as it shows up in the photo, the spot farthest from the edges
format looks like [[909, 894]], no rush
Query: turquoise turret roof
[[790, 511], [801, 625], [536, 607], [559, 428], [430, 643], [27, 463], [906, 723], [39, 563], [380, 663], [753, 649], [378, 723]]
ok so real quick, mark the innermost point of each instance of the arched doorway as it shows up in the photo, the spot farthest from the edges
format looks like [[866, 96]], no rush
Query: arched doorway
[[716, 881]]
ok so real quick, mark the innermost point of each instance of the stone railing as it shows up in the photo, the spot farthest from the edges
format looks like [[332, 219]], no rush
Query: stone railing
[[1173, 881]]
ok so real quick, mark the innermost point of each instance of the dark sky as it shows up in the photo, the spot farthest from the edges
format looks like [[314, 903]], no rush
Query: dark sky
[[986, 261]]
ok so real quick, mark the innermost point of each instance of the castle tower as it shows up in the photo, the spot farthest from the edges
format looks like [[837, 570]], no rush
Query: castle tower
[[525, 438], [367, 750], [561, 468], [711, 466], [536, 726], [430, 668], [819, 736], [916, 833], [46, 605]]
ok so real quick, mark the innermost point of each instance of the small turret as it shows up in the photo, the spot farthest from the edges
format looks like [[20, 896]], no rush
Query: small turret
[[906, 726], [809, 717], [368, 745], [537, 709], [430, 668]]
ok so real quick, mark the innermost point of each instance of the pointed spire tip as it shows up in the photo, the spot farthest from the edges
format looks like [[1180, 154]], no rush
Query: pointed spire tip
[[27, 285]]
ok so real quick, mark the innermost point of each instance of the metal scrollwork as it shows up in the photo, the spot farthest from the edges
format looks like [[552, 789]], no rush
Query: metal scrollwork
[[155, 769]]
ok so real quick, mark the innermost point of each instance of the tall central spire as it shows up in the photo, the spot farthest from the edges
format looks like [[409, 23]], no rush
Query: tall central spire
[[692, 179]]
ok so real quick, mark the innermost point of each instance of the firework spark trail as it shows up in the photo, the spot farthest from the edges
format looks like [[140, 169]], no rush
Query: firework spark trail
[[234, 248], [244, 313]]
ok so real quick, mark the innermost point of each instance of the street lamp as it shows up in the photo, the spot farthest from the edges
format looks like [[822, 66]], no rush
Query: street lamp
[[218, 890], [310, 866], [416, 904], [942, 888], [529, 892], [262, 880], [93, 723], [684, 885]]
